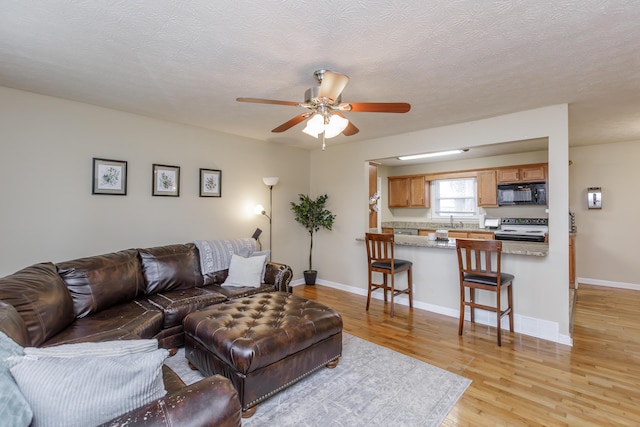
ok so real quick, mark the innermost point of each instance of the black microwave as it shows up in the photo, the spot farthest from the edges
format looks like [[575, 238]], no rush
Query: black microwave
[[532, 193]]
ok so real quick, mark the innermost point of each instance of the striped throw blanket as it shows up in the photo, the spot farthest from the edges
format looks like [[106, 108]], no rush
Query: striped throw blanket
[[215, 255]]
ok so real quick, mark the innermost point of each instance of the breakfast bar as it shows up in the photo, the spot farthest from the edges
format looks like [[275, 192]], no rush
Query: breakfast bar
[[436, 282], [508, 247]]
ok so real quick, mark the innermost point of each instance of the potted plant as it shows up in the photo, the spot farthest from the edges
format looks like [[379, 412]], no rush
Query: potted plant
[[313, 216]]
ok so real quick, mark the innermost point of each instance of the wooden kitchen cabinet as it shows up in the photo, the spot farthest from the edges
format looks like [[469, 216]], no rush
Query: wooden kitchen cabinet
[[408, 192], [487, 188], [572, 261], [524, 173], [484, 235], [387, 230], [419, 192], [458, 234]]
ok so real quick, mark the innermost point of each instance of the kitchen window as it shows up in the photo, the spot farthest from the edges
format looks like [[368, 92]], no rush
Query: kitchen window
[[455, 197]]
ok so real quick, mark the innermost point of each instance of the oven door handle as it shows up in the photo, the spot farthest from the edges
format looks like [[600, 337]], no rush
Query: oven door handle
[[518, 238]]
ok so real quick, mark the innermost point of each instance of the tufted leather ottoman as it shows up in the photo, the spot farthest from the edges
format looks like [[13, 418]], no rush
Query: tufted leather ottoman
[[263, 343]]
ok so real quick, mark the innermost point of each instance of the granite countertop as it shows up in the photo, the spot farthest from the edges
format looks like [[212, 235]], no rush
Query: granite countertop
[[508, 247], [466, 226]]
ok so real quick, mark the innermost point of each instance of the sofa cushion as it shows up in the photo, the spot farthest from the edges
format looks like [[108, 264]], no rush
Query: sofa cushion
[[177, 304], [132, 319], [215, 278], [167, 268], [12, 325], [14, 409], [102, 281], [233, 292], [89, 383], [41, 298]]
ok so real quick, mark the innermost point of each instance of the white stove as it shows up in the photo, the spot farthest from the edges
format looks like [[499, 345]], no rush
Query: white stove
[[523, 229]]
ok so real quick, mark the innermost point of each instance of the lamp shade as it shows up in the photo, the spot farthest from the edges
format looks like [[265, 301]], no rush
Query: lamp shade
[[335, 126], [270, 180], [316, 125], [258, 210]]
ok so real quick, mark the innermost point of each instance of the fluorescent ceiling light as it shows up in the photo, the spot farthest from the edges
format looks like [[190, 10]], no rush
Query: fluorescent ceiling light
[[425, 155]]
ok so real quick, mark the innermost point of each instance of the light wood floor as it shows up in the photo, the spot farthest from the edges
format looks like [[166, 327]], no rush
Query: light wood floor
[[527, 381]]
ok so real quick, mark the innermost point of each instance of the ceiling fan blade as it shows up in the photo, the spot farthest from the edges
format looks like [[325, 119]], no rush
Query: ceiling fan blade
[[291, 123], [332, 85], [377, 107], [267, 101], [351, 129]]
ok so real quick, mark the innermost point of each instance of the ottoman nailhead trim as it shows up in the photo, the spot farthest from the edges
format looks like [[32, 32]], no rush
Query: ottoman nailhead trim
[[271, 393]]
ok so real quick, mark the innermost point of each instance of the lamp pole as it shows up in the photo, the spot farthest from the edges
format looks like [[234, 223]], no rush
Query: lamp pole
[[270, 216], [270, 182]]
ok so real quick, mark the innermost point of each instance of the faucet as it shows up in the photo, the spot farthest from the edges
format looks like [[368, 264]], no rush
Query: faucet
[[454, 226]]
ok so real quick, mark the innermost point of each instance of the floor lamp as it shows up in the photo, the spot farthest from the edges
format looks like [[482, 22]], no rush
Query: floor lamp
[[269, 181]]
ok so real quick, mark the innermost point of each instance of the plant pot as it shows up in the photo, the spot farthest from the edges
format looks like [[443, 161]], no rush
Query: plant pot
[[310, 277]]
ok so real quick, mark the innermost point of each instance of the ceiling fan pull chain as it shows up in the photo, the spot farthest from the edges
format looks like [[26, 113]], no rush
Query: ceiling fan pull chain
[[323, 144]]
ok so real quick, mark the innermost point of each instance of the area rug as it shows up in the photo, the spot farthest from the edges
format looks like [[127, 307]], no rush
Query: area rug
[[371, 386]]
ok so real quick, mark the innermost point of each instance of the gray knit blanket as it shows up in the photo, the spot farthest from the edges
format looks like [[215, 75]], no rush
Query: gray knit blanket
[[215, 255]]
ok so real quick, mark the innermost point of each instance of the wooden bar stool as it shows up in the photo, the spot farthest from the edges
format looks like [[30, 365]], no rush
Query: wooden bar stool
[[380, 256], [476, 259]]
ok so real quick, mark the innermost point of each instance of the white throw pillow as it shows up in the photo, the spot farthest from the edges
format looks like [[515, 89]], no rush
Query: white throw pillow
[[245, 271], [101, 382], [266, 254]]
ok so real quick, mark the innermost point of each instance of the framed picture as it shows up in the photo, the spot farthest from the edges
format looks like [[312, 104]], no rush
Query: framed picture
[[166, 180], [210, 183], [109, 177]]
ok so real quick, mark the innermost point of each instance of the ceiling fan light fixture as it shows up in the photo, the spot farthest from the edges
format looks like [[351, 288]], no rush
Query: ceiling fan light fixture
[[335, 126], [435, 154], [315, 126]]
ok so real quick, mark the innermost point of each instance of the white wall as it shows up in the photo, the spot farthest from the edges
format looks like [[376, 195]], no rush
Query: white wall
[[606, 248], [340, 171], [49, 214]]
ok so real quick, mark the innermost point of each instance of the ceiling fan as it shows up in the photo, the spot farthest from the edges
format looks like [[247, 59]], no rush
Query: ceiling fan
[[325, 107]]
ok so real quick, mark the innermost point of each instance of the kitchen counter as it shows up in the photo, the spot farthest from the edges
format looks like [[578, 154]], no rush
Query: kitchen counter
[[508, 247], [537, 268], [466, 226]]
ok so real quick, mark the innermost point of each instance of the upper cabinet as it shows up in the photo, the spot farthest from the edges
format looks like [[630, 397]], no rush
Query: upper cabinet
[[412, 191], [487, 189], [524, 173], [408, 192]]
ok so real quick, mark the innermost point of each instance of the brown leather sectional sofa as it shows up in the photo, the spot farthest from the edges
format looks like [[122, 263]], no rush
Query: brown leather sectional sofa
[[131, 294]]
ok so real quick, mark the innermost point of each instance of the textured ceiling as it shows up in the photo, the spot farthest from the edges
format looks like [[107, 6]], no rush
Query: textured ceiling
[[452, 60]]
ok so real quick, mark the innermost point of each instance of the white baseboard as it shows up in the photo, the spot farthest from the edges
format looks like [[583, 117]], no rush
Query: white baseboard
[[531, 326], [607, 283]]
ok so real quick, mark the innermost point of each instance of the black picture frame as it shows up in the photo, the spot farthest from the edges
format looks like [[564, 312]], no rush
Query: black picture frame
[[210, 183], [109, 177], [165, 180]]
